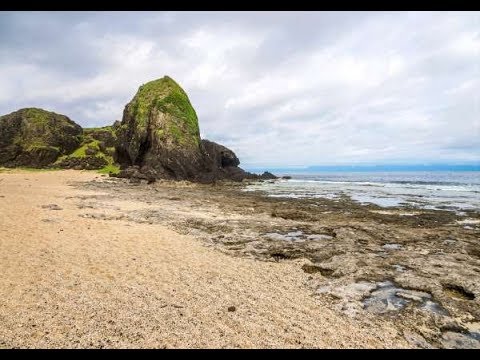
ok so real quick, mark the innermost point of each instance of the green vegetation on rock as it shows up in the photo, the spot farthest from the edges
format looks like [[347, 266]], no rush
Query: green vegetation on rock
[[166, 96], [110, 169], [35, 137], [94, 153], [81, 151]]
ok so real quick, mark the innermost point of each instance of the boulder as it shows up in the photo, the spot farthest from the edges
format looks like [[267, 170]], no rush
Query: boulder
[[82, 163], [268, 176], [36, 138], [218, 155], [159, 134], [159, 131]]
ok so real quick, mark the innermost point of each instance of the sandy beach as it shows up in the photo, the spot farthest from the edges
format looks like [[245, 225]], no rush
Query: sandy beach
[[71, 281]]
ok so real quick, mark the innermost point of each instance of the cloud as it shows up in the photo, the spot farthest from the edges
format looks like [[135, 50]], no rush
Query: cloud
[[280, 89]]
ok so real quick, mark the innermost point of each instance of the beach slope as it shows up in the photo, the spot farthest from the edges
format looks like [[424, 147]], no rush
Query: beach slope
[[70, 281]]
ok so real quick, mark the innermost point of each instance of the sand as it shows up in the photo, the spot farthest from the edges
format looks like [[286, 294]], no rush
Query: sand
[[73, 282]]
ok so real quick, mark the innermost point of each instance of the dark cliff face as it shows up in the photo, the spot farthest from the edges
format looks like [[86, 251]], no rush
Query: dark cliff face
[[159, 137], [159, 132], [221, 163], [219, 155], [36, 138]]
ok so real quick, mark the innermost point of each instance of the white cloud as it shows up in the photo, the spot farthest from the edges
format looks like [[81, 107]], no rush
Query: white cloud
[[278, 88]]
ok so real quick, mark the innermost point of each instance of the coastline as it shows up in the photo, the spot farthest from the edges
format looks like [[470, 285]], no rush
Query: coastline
[[123, 264]]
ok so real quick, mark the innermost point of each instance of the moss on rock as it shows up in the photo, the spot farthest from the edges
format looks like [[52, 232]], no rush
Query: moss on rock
[[159, 119], [94, 153], [35, 137], [166, 96]]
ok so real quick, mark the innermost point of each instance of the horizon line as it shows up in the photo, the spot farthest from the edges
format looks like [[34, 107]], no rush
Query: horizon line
[[405, 166]]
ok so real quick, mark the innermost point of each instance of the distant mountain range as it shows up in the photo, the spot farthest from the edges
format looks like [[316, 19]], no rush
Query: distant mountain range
[[368, 168]]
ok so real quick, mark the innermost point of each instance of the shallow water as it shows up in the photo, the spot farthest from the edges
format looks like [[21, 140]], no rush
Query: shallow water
[[427, 190], [392, 246], [388, 297]]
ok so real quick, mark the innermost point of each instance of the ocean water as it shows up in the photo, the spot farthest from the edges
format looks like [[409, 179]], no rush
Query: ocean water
[[454, 190]]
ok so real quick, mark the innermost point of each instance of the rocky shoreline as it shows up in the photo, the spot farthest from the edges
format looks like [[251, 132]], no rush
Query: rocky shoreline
[[97, 273], [420, 273]]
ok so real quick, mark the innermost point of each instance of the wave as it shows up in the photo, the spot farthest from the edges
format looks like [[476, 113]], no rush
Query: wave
[[366, 183], [430, 185], [424, 182]]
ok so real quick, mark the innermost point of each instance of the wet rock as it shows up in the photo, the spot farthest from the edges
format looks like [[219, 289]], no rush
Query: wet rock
[[453, 326], [280, 252], [352, 291], [312, 269], [297, 236], [268, 176], [399, 268], [454, 340], [392, 246], [434, 308], [388, 297], [458, 292], [280, 237], [449, 242], [413, 295], [319, 237], [417, 340], [290, 214], [473, 250]]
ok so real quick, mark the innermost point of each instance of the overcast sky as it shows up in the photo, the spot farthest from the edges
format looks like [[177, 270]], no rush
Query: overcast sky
[[280, 89]]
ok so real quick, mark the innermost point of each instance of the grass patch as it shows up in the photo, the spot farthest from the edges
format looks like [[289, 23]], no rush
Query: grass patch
[[80, 152], [110, 169], [88, 131]]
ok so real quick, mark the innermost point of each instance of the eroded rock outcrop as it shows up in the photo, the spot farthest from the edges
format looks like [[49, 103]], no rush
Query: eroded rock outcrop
[[95, 152], [159, 136], [221, 163], [36, 138], [159, 131]]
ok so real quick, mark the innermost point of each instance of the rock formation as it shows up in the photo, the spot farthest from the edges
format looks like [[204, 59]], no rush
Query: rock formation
[[267, 175], [36, 138], [159, 137], [159, 131], [95, 152]]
